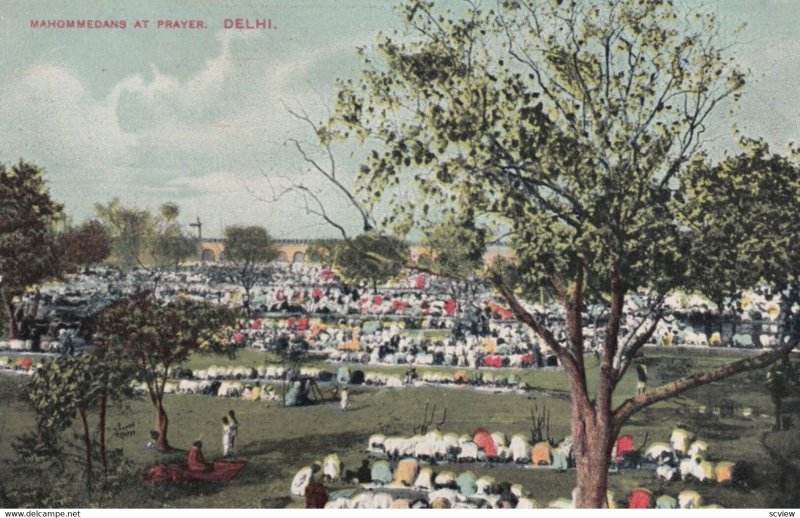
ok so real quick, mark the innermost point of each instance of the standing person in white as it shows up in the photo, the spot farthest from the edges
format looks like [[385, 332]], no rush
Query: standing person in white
[[227, 440], [234, 432], [344, 399]]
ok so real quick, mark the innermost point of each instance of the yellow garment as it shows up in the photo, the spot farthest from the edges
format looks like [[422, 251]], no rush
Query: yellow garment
[[689, 499], [724, 472], [440, 503], [400, 503], [489, 345], [255, 393], [406, 472], [540, 454]]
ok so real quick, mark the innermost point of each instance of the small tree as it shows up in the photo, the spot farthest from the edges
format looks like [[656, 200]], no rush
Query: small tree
[[83, 246], [369, 258], [248, 248], [457, 248], [170, 246], [156, 337], [27, 240], [131, 229]]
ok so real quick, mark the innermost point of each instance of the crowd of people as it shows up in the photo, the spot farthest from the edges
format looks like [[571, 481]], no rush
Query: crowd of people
[[358, 324]]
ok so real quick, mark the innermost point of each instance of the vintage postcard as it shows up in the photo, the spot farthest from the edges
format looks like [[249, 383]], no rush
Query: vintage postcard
[[407, 254]]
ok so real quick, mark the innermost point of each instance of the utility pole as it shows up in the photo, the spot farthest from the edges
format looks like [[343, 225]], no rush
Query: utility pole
[[199, 229]]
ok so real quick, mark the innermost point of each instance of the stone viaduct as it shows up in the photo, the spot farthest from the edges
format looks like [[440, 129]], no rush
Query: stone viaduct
[[294, 250]]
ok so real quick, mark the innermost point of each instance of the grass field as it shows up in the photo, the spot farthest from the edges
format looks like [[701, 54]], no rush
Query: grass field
[[278, 441]]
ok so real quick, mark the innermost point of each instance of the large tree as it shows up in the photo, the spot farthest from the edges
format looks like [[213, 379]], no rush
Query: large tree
[[27, 237], [571, 124], [249, 249], [156, 337]]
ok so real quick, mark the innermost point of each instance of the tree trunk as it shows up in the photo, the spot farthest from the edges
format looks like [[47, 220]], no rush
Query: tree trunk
[[593, 444], [13, 328], [162, 424], [87, 444], [101, 430], [247, 300], [778, 413]]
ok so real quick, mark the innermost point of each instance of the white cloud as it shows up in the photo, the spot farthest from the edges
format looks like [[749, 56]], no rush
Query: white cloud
[[48, 116]]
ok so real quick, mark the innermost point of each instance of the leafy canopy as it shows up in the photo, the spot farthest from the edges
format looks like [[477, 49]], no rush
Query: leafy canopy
[[27, 218], [565, 122], [367, 258]]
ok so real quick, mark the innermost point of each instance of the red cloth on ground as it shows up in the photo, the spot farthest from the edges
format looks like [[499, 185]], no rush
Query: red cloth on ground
[[223, 471]]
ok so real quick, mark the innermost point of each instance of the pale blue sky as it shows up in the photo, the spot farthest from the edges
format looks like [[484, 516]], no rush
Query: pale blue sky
[[197, 116]]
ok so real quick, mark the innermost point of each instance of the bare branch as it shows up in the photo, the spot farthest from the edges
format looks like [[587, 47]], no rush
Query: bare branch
[[641, 401]]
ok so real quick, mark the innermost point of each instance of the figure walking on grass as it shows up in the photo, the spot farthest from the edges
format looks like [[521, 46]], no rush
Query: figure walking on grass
[[641, 373], [344, 399]]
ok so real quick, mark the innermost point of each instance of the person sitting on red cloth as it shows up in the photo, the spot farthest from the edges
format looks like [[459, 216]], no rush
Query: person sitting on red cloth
[[196, 460], [316, 494]]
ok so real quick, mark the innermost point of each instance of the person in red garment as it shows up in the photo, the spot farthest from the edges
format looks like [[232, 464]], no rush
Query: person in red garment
[[316, 494], [196, 460]]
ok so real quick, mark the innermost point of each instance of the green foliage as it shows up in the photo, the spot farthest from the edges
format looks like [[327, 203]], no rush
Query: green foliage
[[248, 248], [564, 122], [27, 239], [457, 247], [131, 231], [573, 126], [742, 212], [156, 336], [171, 246], [88, 244], [368, 258], [169, 211], [139, 237]]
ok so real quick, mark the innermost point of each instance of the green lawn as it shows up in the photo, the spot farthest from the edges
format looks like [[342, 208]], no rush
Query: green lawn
[[278, 441]]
